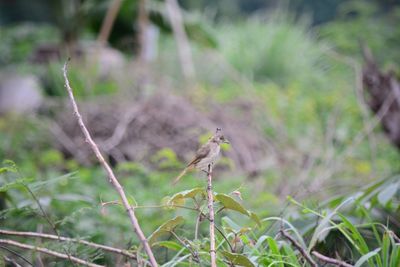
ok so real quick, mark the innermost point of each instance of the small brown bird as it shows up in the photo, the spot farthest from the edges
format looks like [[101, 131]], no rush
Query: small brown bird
[[206, 155]]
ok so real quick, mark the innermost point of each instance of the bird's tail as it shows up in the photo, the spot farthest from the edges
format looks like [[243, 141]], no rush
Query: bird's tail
[[180, 176]]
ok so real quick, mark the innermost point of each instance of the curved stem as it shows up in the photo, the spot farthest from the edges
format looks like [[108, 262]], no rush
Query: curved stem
[[111, 176]]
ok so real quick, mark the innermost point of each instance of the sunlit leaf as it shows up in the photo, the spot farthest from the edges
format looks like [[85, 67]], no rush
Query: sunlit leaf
[[169, 244], [230, 203], [179, 198], [237, 259]]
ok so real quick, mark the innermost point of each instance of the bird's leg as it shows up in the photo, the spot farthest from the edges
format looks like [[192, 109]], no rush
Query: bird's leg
[[208, 172]]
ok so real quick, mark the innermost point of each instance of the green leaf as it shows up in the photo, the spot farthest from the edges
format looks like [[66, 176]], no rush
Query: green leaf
[[179, 198], [357, 238], [295, 231], [395, 257], [385, 249], [237, 259], [169, 244], [387, 194], [165, 228], [273, 246], [366, 257], [291, 255], [321, 232], [255, 218], [230, 203], [19, 183]]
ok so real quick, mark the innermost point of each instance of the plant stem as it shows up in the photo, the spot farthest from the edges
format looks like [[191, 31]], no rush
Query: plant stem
[[111, 176], [211, 216], [48, 252]]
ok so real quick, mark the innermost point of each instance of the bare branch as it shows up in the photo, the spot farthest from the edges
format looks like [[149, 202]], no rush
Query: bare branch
[[111, 176], [48, 252], [302, 251], [331, 260], [61, 238], [211, 217]]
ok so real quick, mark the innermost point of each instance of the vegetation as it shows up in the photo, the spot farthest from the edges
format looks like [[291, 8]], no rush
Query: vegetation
[[327, 193]]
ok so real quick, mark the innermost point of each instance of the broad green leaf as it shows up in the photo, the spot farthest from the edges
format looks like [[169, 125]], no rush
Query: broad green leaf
[[179, 198], [230, 203], [165, 228], [169, 244], [387, 194], [367, 257], [237, 259]]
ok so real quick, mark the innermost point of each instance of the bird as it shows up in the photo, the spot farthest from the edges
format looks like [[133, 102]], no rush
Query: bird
[[206, 155]]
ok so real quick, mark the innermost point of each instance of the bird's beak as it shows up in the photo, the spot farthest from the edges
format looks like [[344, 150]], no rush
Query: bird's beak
[[226, 141]]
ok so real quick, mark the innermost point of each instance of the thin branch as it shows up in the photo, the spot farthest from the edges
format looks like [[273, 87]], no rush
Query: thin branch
[[211, 217], [16, 254], [111, 176], [47, 217], [48, 252], [196, 231], [61, 238], [331, 260], [302, 251], [194, 253]]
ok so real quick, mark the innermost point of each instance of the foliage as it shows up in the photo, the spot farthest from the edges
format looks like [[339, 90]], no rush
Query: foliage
[[306, 106]]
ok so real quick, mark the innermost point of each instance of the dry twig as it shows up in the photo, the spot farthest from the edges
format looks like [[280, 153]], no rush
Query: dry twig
[[112, 178], [61, 238], [330, 260], [302, 251], [211, 217], [48, 252]]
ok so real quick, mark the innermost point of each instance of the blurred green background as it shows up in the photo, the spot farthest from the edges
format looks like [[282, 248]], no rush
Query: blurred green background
[[282, 78]]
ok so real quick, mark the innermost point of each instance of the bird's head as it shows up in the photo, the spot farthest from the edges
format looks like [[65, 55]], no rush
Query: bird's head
[[219, 137]]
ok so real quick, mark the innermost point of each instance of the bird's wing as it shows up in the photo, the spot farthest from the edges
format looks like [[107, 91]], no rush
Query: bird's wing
[[200, 154]]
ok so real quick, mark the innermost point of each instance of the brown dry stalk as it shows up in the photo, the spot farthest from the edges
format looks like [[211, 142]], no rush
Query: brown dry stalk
[[111, 176], [48, 252], [211, 217], [330, 260], [67, 239], [302, 251]]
